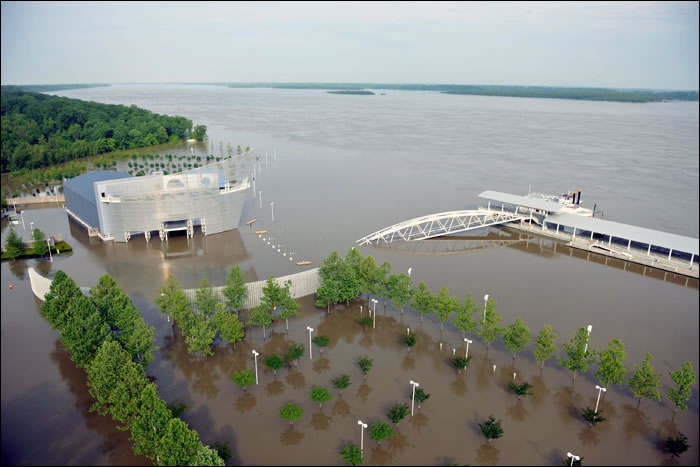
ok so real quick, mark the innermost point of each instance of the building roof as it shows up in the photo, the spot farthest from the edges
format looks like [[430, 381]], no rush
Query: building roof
[[534, 203], [84, 184], [628, 232]]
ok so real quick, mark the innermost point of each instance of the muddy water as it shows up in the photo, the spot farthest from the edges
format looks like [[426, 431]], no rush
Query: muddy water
[[414, 154]]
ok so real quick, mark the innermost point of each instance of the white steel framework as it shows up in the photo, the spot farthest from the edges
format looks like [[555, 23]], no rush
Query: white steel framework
[[444, 223]]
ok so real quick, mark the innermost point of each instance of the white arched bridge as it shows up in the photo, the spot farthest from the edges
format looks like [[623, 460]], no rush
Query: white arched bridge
[[443, 223]]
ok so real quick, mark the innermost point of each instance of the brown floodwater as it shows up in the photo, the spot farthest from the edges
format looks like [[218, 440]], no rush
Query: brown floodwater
[[327, 196]]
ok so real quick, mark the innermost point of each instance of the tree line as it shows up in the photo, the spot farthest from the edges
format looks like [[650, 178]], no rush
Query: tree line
[[40, 130], [106, 335], [346, 278]]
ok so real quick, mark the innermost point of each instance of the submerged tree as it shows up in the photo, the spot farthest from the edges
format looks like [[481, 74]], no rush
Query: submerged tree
[[423, 300], [516, 336], [683, 379], [611, 363], [365, 365], [491, 428], [444, 305], [319, 394], [274, 362], [579, 357], [291, 412], [243, 378], [461, 362], [488, 332], [321, 341], [645, 383], [352, 454], [464, 315], [397, 412], [677, 445], [235, 291], [421, 396], [592, 417], [380, 431], [400, 290], [14, 246], [295, 352], [545, 347], [522, 389], [409, 339], [341, 382]]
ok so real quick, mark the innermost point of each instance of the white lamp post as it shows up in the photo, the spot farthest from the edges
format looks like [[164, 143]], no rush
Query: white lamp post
[[31, 227], [409, 272], [49, 245], [600, 389], [21, 214], [486, 300], [255, 354], [413, 396], [374, 323], [260, 193], [573, 457], [362, 435], [589, 329], [310, 331], [272, 208], [467, 352]]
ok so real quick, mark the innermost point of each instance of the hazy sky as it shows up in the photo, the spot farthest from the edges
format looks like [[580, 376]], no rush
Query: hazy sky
[[609, 44]]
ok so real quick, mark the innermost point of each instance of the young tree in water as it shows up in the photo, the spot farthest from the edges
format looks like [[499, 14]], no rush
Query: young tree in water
[[645, 383], [243, 378], [39, 242], [423, 300], [341, 382], [409, 339], [578, 358], [172, 302], [491, 428], [464, 315], [521, 390], [489, 325], [205, 300], [380, 431], [545, 348], [260, 316], [444, 305], [397, 412], [235, 291], [676, 446], [328, 293], [200, 336], [291, 412], [592, 417], [574, 462], [516, 336], [400, 290], [228, 324], [321, 341], [289, 305], [365, 365], [274, 362], [14, 245], [683, 379], [319, 394], [421, 396], [370, 277], [352, 454], [272, 294], [295, 352], [611, 363]]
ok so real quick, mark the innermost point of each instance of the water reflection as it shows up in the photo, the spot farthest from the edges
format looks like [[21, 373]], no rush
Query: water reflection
[[379, 456], [363, 392], [321, 365], [518, 412], [295, 379], [487, 454], [291, 437], [18, 269], [568, 402], [320, 421], [408, 363], [636, 422], [340, 407], [274, 388], [419, 420], [540, 391], [458, 386], [245, 402]]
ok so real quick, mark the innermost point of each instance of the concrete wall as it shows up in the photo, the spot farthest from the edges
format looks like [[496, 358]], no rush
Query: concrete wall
[[303, 283]]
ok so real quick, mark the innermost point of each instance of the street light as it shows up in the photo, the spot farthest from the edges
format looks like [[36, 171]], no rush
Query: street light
[[467, 352], [599, 391], [374, 324], [310, 331], [272, 207], [260, 193], [409, 272], [573, 457], [31, 227], [486, 300], [49, 245], [413, 396], [362, 435], [589, 329], [255, 354]]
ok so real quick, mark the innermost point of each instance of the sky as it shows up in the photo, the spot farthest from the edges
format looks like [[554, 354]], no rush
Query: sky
[[590, 44]]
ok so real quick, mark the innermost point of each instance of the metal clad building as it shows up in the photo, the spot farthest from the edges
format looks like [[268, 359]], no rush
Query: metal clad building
[[210, 197], [80, 194]]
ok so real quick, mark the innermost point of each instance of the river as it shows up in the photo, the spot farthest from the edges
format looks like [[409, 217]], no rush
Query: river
[[347, 166]]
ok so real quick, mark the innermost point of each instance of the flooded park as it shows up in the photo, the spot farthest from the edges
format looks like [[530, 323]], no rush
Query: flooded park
[[346, 166]]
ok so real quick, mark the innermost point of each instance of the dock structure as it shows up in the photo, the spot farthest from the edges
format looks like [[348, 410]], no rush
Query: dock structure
[[546, 217]]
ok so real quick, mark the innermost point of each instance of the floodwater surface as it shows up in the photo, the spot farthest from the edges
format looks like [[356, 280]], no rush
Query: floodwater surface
[[350, 165]]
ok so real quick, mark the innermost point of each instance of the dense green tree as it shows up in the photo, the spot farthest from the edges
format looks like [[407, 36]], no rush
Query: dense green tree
[[14, 245], [369, 277], [321, 341], [464, 315], [645, 383], [592, 417], [200, 336], [489, 324], [319, 394], [365, 364], [545, 346], [294, 353], [292, 412], [400, 290], [207, 456], [676, 445], [39, 242], [516, 336], [611, 363], [445, 304], [491, 428], [460, 362], [290, 306], [205, 300], [272, 294], [179, 444], [199, 132], [578, 356], [115, 382], [352, 454], [421, 396], [684, 378], [341, 382], [149, 423], [423, 300], [274, 362], [380, 431], [235, 291], [84, 331], [328, 293], [330, 268], [397, 412], [230, 327], [243, 378], [409, 339], [223, 450], [350, 286], [354, 260], [62, 293], [260, 316]]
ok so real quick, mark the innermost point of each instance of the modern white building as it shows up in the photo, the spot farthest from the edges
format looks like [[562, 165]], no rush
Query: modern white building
[[116, 206]]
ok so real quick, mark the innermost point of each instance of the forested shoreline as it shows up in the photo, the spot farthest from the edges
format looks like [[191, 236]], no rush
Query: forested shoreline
[[40, 130]]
